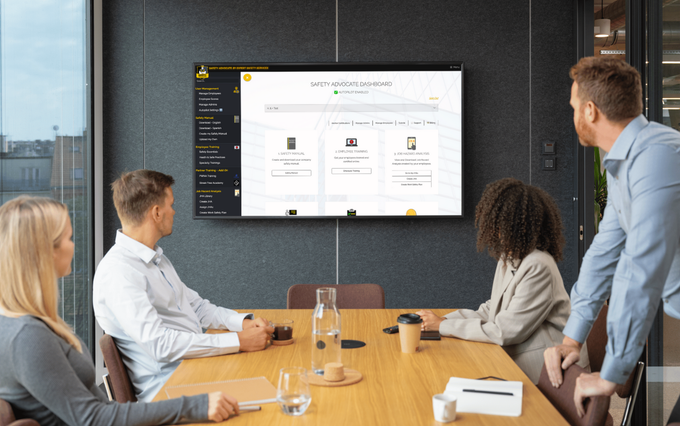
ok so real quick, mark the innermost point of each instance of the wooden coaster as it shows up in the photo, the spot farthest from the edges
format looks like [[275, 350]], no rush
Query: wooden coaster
[[351, 377], [283, 342]]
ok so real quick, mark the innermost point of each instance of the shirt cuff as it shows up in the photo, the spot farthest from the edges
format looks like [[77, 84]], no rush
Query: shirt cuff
[[616, 370], [229, 343], [577, 330], [447, 327], [235, 322]]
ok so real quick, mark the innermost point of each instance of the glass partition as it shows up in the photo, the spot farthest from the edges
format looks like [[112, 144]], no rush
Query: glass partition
[[45, 142], [655, 30], [664, 375]]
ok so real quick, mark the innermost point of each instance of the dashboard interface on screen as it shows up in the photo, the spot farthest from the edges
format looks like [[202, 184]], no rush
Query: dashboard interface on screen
[[328, 140]]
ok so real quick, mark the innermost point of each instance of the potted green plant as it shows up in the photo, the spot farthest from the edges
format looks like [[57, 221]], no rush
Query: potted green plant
[[600, 189]]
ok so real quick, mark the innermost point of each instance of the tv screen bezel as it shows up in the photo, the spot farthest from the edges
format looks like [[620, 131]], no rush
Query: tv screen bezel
[[339, 66]]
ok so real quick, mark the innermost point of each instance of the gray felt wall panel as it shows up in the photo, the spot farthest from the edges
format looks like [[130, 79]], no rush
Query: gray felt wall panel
[[551, 119], [123, 104], [515, 91], [434, 263]]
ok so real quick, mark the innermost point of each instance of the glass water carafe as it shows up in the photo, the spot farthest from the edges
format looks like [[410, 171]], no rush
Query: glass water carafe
[[325, 330]]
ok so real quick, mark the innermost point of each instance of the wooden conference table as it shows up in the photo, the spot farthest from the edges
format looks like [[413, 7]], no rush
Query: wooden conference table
[[396, 389]]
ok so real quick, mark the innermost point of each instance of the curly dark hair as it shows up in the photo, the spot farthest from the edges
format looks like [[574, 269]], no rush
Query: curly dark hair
[[515, 219]]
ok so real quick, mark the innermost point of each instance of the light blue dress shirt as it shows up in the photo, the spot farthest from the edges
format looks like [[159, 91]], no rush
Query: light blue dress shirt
[[635, 257], [156, 320]]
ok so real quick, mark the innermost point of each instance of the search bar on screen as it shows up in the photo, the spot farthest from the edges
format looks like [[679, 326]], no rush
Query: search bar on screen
[[350, 108]]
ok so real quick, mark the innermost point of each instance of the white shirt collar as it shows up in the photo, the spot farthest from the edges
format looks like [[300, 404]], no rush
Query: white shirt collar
[[138, 249]]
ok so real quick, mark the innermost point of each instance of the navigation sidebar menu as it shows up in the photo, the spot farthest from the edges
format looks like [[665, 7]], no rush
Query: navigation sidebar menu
[[217, 143]]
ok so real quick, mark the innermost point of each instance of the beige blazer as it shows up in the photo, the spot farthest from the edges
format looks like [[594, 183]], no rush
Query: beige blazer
[[526, 314]]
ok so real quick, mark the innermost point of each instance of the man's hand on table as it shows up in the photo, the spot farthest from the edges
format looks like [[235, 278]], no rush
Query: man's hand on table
[[257, 322], [560, 358], [255, 335], [430, 320], [589, 385], [221, 406]]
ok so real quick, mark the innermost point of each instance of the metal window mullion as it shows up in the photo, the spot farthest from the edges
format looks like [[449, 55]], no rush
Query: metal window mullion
[[655, 56], [635, 38], [655, 113], [585, 34]]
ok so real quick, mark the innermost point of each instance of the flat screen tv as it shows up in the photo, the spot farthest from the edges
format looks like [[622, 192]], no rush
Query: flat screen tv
[[336, 140]]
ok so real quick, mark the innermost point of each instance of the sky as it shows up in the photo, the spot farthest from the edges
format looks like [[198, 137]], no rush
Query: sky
[[43, 46]]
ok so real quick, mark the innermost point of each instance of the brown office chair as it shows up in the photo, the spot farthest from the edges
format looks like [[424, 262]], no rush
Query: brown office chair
[[348, 296], [119, 381], [7, 416], [563, 399], [596, 342]]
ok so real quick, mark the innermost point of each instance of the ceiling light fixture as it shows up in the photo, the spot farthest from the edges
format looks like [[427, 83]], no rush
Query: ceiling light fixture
[[602, 26]]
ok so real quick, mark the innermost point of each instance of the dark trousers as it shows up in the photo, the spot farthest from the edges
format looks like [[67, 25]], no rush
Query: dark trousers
[[675, 414]]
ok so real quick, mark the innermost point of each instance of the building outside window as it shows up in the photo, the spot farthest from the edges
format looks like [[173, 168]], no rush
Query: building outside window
[[45, 142]]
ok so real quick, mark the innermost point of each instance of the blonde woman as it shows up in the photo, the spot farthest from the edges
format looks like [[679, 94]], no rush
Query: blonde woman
[[46, 373]]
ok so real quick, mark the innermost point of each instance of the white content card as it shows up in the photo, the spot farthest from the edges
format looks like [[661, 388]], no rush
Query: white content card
[[486, 397]]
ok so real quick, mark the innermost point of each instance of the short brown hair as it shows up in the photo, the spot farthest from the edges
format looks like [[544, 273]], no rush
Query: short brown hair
[[515, 219], [612, 85], [134, 193]]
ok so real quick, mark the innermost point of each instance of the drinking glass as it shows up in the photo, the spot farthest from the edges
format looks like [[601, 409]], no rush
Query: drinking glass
[[293, 394]]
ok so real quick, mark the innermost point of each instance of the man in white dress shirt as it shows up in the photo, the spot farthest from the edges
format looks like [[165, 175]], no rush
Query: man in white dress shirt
[[155, 319]]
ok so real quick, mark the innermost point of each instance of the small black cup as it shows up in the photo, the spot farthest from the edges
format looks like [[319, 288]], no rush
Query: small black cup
[[283, 330]]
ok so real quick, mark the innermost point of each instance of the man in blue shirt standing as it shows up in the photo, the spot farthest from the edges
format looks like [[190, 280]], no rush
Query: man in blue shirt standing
[[634, 260]]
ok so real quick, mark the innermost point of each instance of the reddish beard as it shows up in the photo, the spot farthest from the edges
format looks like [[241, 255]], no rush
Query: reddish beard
[[586, 134]]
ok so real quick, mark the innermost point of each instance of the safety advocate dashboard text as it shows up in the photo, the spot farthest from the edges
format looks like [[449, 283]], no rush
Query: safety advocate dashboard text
[[327, 140]]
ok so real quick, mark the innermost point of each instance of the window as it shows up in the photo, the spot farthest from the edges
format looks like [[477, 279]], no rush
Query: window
[[77, 174], [30, 178], [44, 126]]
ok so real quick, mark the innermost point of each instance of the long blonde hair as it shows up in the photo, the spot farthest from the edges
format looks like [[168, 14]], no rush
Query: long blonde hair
[[30, 228]]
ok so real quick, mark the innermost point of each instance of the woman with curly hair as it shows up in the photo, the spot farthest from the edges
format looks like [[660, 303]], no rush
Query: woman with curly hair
[[520, 226]]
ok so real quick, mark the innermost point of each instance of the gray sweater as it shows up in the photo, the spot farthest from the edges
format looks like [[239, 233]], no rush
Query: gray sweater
[[46, 379]]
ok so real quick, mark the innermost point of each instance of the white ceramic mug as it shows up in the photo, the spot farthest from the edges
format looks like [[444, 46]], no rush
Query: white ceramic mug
[[444, 407]]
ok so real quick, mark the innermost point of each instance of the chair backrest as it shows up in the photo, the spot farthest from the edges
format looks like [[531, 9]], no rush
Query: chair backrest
[[597, 340], [348, 296], [118, 374], [629, 390], [562, 398], [7, 416], [625, 390]]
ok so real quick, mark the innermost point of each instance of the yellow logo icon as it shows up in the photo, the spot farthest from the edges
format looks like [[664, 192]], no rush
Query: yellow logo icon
[[201, 71], [410, 212], [247, 77]]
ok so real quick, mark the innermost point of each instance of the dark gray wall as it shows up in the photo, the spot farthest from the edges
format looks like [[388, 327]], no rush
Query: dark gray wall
[[516, 97]]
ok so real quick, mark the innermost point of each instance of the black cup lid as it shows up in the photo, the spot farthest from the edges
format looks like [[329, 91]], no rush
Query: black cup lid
[[409, 319]]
